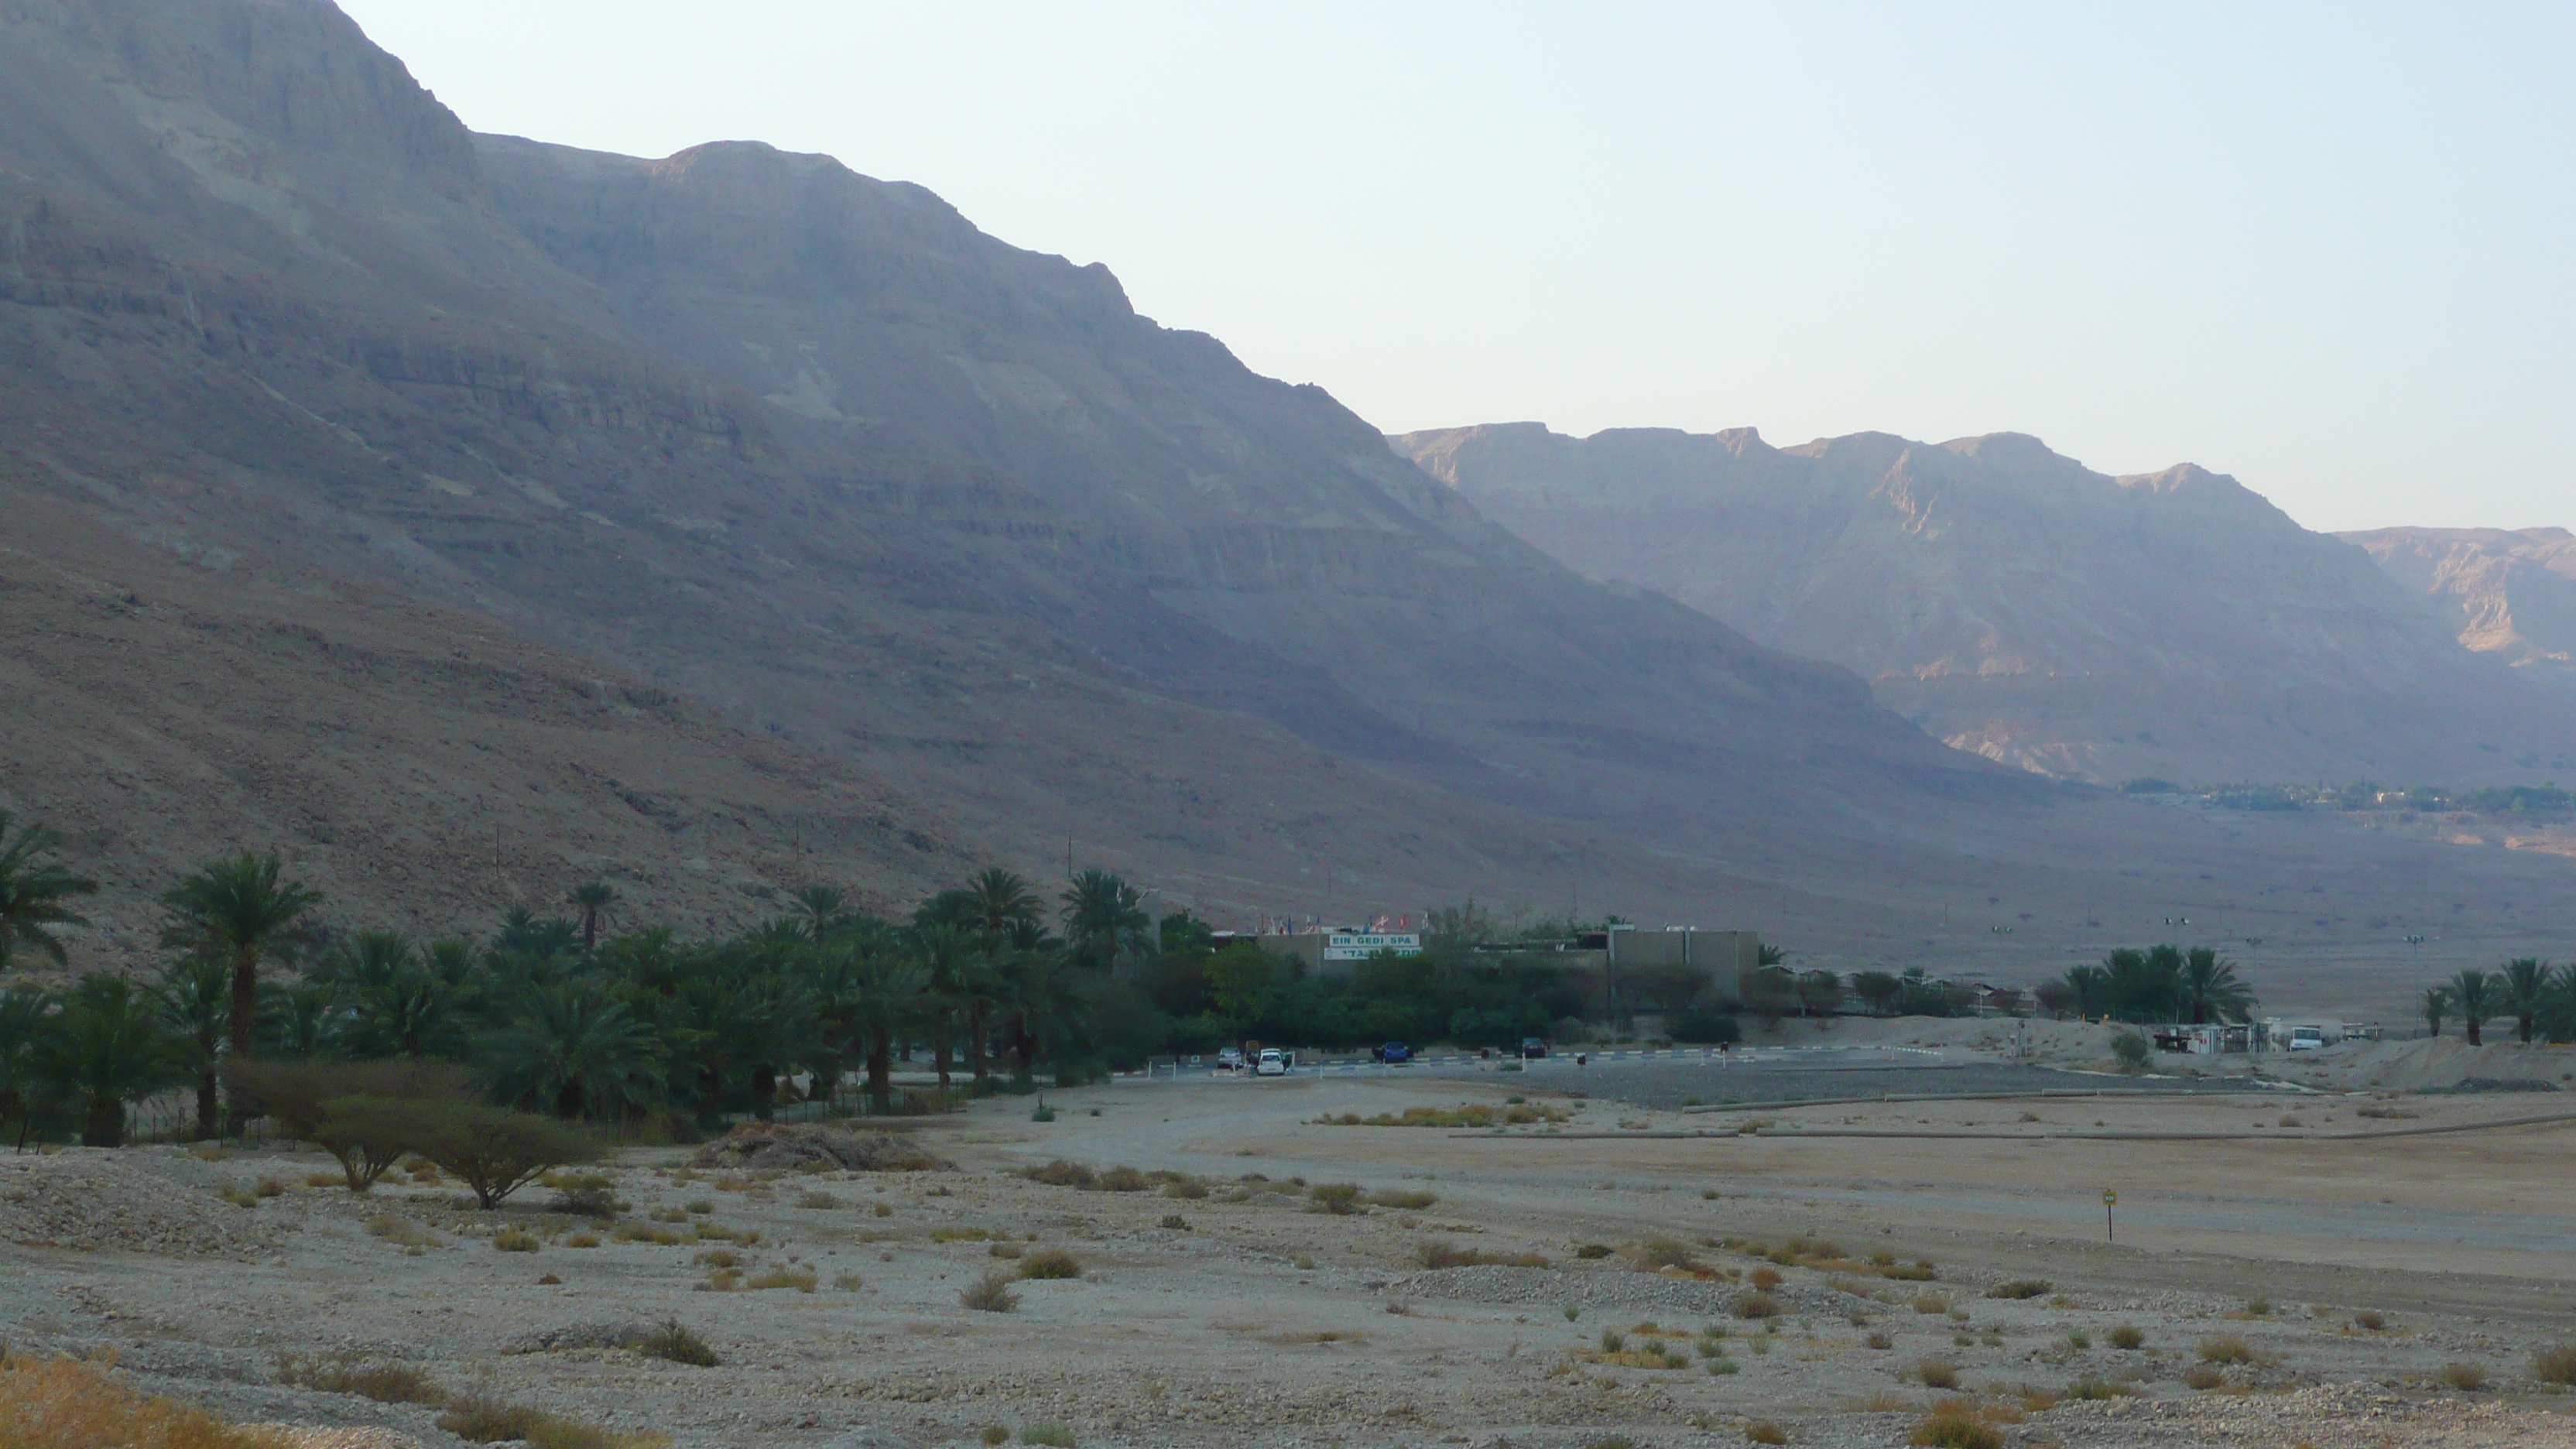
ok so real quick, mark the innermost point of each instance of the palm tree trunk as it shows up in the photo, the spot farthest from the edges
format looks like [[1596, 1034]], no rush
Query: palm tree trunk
[[764, 1091], [207, 1126], [2471, 1026], [881, 1073], [244, 1022], [104, 1125], [976, 1066], [939, 1051]]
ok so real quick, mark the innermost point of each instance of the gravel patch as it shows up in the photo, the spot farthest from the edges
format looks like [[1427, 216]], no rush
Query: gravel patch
[[99, 1201]]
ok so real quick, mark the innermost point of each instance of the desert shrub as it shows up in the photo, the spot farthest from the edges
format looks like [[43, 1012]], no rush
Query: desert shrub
[[489, 1421], [1937, 1374], [848, 1282], [1763, 1431], [492, 1150], [2079, 1340], [989, 1294], [631, 1231], [1953, 1424], [2020, 1288], [366, 1134], [1002, 1250], [1184, 1186], [1053, 1436], [1050, 1263], [2133, 1051], [1123, 1179], [1409, 1200], [71, 1404], [800, 1279], [1765, 1279], [1880, 1339], [1661, 1253], [675, 1343], [1615, 1441], [1755, 1305], [403, 1233], [1928, 1303], [2224, 1348], [2555, 1365], [1338, 1198], [994, 1436], [2370, 1320], [386, 1383], [962, 1235], [1175, 1222], [817, 1200], [240, 1197], [583, 1194], [1061, 1173], [2127, 1336], [1593, 1250], [2466, 1377], [513, 1240], [2258, 1307], [2202, 1376], [2089, 1389], [700, 1206]]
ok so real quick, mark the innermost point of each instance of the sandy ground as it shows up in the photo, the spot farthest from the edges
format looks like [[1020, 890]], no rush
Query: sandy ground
[[1204, 1319]]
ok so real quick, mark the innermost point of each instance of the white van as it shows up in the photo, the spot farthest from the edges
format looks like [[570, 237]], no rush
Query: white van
[[2307, 1038]]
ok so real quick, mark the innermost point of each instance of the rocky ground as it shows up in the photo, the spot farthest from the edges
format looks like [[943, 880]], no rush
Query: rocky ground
[[2297, 1287]]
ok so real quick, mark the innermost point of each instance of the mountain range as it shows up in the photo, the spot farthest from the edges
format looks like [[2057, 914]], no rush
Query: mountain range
[[871, 499], [2170, 625]]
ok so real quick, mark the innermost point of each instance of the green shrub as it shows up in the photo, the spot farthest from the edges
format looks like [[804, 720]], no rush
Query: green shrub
[[2133, 1051], [1054, 1436], [386, 1383], [492, 1150], [1338, 1198], [675, 1344], [2127, 1336], [2225, 1348], [2020, 1288], [1763, 1431], [2466, 1377], [1953, 1424], [1937, 1374], [512, 1240], [989, 1294], [1050, 1263], [2555, 1365]]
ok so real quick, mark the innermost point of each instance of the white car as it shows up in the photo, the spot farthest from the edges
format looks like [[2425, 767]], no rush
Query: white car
[[1272, 1063], [1229, 1059]]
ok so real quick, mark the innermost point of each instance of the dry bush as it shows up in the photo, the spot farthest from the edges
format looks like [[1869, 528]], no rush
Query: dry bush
[[1341, 1199], [72, 1404], [2370, 1320], [2201, 1376], [1050, 1263], [1929, 1303], [1123, 1179], [1003, 1250], [964, 1235], [2225, 1348], [1937, 1374], [2466, 1377], [1410, 1200], [1061, 1173], [2555, 1365], [1763, 1431], [631, 1231], [1053, 1436], [1658, 1254], [2020, 1288], [1174, 1222], [1765, 1279], [403, 1233], [1953, 1424], [817, 1200], [489, 1421], [2128, 1336], [701, 1206], [1880, 1339], [1437, 1254], [1593, 1250], [848, 1282], [989, 1294], [2089, 1389], [674, 1343], [239, 1197], [800, 1279], [386, 1383], [1756, 1305], [994, 1436], [583, 1194], [513, 1240]]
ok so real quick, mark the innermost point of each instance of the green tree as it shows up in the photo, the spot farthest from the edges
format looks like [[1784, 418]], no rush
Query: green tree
[[2473, 993], [194, 1002], [25, 1019], [2523, 988], [1104, 915], [574, 1050], [820, 910], [1003, 902], [1878, 988], [1820, 993], [104, 1050], [400, 1003], [2210, 989], [32, 892], [2435, 1004], [593, 901], [493, 1151], [240, 910], [1242, 980]]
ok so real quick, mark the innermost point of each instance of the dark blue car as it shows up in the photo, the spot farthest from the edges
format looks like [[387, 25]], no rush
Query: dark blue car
[[1394, 1052]]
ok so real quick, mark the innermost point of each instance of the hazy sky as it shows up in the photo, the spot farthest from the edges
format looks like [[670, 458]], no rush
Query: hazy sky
[[2326, 249]]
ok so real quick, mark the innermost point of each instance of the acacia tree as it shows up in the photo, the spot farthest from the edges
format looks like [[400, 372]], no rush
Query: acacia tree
[[32, 892], [239, 910]]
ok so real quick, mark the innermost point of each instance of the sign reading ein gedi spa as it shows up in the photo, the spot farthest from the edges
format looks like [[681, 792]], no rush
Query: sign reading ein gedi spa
[[1358, 946]]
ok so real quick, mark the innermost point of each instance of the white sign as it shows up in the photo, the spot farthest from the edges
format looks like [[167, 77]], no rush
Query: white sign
[[1354, 946]]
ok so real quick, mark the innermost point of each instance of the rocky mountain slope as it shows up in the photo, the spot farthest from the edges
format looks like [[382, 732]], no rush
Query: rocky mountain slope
[[762, 433], [2023, 607], [166, 699], [2509, 594]]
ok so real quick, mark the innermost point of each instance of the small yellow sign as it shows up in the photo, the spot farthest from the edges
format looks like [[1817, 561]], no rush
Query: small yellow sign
[[2109, 1197]]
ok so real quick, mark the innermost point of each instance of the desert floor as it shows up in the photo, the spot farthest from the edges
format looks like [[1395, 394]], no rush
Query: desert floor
[[2284, 1218]]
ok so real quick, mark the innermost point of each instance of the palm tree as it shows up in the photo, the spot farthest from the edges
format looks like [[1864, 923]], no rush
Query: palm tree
[[592, 899], [1103, 914], [193, 1003], [105, 1049], [24, 1020], [576, 1051], [1039, 999], [1003, 901], [2524, 986], [821, 909], [32, 892], [2470, 992], [868, 992], [2435, 1004], [2558, 1006], [399, 1005], [239, 910], [2209, 987]]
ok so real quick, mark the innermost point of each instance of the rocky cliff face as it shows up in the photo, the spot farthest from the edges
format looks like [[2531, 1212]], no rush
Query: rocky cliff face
[[2509, 594], [2022, 606]]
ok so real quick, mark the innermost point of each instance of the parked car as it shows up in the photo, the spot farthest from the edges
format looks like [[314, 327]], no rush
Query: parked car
[[1229, 1059], [1393, 1052], [1532, 1048], [1271, 1063]]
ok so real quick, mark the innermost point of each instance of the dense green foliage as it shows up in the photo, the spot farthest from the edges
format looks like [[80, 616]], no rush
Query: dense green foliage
[[2161, 984]]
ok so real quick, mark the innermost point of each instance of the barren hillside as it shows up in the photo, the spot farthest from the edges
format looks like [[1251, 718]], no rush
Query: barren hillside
[[2510, 593], [2025, 608]]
